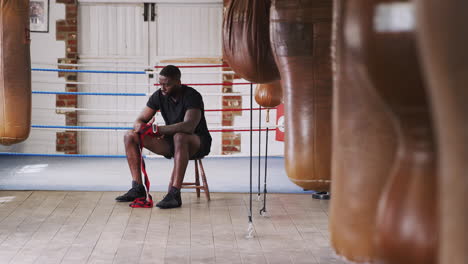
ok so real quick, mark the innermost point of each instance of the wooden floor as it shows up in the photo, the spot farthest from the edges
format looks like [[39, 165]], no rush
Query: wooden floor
[[89, 227]]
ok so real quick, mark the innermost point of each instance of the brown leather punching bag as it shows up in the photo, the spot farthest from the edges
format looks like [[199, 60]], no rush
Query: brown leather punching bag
[[246, 40], [15, 72], [269, 94], [443, 39], [382, 34], [364, 148], [301, 40]]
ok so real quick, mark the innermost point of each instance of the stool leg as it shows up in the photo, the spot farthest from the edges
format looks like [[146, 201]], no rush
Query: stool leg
[[197, 178], [205, 183]]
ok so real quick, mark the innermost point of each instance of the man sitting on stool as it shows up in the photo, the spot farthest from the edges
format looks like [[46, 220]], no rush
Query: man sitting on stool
[[185, 135]]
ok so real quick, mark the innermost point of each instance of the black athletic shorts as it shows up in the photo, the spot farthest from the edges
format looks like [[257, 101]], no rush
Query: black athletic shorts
[[205, 147]]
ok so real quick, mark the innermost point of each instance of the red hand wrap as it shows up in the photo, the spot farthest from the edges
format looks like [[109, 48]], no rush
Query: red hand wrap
[[147, 130], [146, 202]]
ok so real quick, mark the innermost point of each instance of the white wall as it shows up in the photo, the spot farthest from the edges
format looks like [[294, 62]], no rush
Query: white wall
[[115, 34], [189, 30], [44, 49]]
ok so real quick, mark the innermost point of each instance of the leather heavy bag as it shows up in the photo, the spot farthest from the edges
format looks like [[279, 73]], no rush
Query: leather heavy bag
[[269, 94], [443, 40], [301, 40], [364, 148], [15, 72], [382, 36], [246, 40]]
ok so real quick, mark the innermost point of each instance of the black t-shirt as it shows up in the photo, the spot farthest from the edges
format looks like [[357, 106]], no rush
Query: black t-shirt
[[174, 112]]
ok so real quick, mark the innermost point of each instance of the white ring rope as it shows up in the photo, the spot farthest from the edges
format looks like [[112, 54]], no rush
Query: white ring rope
[[203, 94], [92, 65], [91, 83], [72, 109], [124, 130], [149, 69]]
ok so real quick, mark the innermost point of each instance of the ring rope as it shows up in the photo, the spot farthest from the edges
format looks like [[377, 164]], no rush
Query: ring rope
[[72, 109], [128, 94], [150, 156], [101, 128], [61, 155], [212, 84], [146, 71], [140, 84], [185, 73], [85, 93], [132, 67], [87, 71], [92, 65], [197, 66], [91, 83]]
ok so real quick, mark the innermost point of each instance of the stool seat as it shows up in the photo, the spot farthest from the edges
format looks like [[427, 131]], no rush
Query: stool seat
[[196, 185]]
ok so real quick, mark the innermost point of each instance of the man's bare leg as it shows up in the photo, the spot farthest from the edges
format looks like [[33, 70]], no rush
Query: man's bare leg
[[132, 150], [185, 146], [132, 140]]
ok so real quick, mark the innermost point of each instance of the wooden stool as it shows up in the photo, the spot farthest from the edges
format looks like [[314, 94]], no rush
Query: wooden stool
[[196, 185]]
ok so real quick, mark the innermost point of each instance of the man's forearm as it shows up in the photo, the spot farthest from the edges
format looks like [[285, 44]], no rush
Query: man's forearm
[[141, 120], [182, 127], [138, 122]]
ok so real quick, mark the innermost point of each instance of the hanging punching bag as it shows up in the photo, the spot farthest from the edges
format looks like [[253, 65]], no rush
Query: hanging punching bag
[[246, 40], [443, 38], [301, 40], [364, 147], [15, 72], [269, 94], [382, 35]]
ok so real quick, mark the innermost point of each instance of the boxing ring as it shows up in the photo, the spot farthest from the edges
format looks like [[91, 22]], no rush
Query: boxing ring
[[95, 172]]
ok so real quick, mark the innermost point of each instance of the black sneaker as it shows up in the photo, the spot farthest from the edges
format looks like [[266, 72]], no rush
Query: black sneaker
[[178, 198], [171, 200], [137, 191]]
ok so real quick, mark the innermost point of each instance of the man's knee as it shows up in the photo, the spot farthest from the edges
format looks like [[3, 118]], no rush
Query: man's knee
[[130, 138], [181, 139]]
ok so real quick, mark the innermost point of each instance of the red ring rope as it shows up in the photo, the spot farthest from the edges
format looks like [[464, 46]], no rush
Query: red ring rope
[[197, 66], [208, 84], [237, 109], [235, 130]]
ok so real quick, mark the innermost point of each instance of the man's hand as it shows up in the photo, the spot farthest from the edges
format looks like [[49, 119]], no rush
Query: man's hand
[[149, 129], [155, 128], [145, 115], [151, 121], [137, 125]]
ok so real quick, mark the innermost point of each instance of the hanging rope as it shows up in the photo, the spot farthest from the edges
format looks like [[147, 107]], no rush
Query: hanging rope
[[250, 229], [263, 211], [259, 152]]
